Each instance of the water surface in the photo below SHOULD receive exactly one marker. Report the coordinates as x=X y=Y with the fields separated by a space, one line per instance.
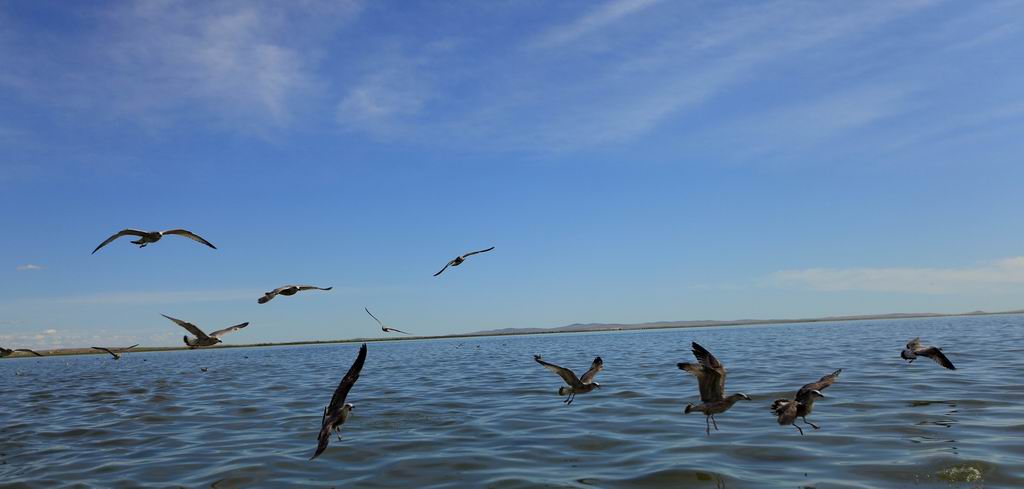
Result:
x=480 y=413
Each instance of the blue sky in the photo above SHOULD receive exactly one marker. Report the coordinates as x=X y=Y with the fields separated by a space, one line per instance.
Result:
x=632 y=161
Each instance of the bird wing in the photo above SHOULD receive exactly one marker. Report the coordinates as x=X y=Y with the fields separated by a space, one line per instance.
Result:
x=374 y=317
x=232 y=329
x=785 y=410
x=471 y=253
x=190 y=235
x=445 y=267
x=106 y=350
x=935 y=354
x=188 y=326
x=914 y=344
x=567 y=375
x=350 y=378
x=388 y=330
x=26 y=350
x=712 y=383
x=129 y=347
x=313 y=287
x=820 y=385
x=595 y=367
x=123 y=232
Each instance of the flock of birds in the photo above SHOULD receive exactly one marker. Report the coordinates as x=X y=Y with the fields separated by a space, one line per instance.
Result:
x=708 y=370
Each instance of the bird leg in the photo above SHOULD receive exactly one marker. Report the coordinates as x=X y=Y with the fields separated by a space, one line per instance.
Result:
x=810 y=423
x=707 y=423
x=714 y=422
x=572 y=397
x=801 y=430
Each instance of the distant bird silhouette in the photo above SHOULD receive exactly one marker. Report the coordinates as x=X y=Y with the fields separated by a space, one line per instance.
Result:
x=787 y=410
x=577 y=385
x=114 y=353
x=4 y=352
x=288 y=290
x=914 y=349
x=147 y=237
x=203 y=369
x=459 y=259
x=203 y=339
x=710 y=375
x=385 y=328
x=338 y=411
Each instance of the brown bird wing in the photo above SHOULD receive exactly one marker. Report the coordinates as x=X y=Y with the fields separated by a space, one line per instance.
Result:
x=935 y=354
x=26 y=350
x=188 y=326
x=115 y=355
x=232 y=329
x=123 y=232
x=129 y=347
x=478 y=251
x=914 y=344
x=388 y=330
x=313 y=287
x=350 y=378
x=595 y=367
x=445 y=267
x=190 y=235
x=567 y=375
x=820 y=385
x=785 y=410
x=712 y=383
x=374 y=317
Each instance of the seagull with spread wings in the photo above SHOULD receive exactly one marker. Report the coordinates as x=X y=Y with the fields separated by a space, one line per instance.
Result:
x=915 y=349
x=382 y=327
x=338 y=411
x=710 y=374
x=787 y=410
x=288 y=290
x=577 y=385
x=115 y=351
x=4 y=352
x=203 y=339
x=459 y=259
x=147 y=237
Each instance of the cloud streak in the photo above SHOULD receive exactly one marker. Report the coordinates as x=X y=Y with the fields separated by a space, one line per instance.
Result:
x=607 y=14
x=991 y=276
x=28 y=267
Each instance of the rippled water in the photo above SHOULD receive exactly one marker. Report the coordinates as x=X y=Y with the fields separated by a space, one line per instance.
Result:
x=481 y=413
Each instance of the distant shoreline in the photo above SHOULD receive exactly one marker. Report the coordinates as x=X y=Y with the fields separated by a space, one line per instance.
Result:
x=572 y=328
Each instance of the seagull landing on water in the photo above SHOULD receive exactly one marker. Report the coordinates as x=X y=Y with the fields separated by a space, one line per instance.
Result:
x=915 y=349
x=338 y=411
x=459 y=259
x=288 y=290
x=382 y=327
x=710 y=375
x=577 y=385
x=788 y=410
x=203 y=339
x=4 y=352
x=115 y=351
x=147 y=237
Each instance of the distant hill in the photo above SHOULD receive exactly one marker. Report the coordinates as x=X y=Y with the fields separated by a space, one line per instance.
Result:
x=584 y=327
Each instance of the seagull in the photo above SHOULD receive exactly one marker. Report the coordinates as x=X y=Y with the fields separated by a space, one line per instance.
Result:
x=203 y=339
x=338 y=411
x=385 y=328
x=789 y=409
x=459 y=259
x=4 y=352
x=147 y=237
x=288 y=290
x=710 y=375
x=914 y=349
x=115 y=353
x=577 y=385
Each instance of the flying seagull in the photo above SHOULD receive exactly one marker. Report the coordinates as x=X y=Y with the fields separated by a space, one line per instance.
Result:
x=203 y=339
x=914 y=349
x=4 y=352
x=710 y=375
x=288 y=290
x=788 y=410
x=459 y=259
x=577 y=385
x=338 y=411
x=385 y=328
x=147 y=237
x=115 y=351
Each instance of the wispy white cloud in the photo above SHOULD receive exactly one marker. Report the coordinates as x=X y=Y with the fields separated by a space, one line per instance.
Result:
x=54 y=338
x=167 y=297
x=28 y=267
x=606 y=14
x=982 y=277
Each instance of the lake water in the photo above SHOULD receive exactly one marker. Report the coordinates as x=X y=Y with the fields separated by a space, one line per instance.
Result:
x=480 y=413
